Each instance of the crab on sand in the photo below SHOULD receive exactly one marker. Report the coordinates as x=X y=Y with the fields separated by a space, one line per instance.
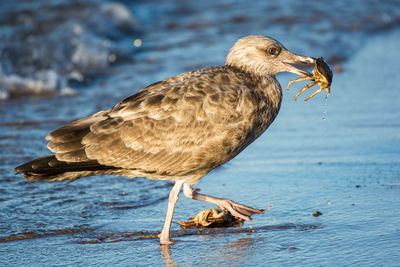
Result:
x=211 y=218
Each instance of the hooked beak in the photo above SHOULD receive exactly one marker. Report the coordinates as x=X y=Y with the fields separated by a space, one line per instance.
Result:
x=297 y=59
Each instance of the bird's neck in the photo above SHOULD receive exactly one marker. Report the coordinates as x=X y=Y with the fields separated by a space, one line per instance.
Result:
x=269 y=87
x=270 y=93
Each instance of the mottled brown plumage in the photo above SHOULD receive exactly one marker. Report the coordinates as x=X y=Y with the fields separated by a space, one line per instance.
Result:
x=177 y=129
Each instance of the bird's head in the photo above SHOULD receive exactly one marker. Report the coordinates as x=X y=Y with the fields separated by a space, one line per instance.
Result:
x=262 y=55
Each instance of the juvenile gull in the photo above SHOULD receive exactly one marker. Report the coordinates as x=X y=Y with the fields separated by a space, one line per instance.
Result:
x=178 y=129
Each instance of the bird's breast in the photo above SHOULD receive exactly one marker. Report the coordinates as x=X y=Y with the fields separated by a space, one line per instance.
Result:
x=268 y=98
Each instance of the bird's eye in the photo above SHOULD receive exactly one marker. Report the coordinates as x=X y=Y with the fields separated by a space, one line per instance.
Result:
x=273 y=51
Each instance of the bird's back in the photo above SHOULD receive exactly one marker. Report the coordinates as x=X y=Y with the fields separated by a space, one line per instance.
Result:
x=180 y=128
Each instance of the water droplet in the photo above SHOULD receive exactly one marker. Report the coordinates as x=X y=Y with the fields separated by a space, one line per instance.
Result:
x=112 y=58
x=137 y=42
x=325 y=108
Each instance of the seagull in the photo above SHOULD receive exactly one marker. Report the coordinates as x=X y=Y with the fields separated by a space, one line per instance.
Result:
x=178 y=129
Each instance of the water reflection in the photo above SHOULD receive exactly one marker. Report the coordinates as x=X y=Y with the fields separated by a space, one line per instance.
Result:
x=237 y=250
x=233 y=251
x=166 y=255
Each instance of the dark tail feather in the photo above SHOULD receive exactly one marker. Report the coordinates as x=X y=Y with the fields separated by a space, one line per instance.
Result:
x=50 y=169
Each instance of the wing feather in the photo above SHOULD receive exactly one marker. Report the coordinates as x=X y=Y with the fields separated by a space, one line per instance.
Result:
x=73 y=156
x=187 y=124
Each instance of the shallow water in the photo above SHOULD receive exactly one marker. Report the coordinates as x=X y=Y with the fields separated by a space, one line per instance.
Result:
x=346 y=166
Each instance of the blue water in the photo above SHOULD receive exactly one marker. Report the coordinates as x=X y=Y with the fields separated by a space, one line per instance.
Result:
x=344 y=163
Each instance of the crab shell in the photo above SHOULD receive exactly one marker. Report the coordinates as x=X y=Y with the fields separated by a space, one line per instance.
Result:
x=210 y=218
x=322 y=67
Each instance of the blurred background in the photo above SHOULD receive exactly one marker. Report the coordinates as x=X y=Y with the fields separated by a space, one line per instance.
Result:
x=61 y=60
x=63 y=47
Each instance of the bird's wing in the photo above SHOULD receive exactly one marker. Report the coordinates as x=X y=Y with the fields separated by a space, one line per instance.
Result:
x=172 y=128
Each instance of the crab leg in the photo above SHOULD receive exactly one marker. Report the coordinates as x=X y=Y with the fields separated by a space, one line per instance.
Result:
x=304 y=89
x=316 y=92
x=299 y=80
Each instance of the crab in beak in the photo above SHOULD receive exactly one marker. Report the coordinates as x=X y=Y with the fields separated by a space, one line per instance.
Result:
x=322 y=75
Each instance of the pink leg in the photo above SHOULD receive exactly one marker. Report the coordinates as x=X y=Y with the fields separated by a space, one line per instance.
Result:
x=236 y=209
x=173 y=199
